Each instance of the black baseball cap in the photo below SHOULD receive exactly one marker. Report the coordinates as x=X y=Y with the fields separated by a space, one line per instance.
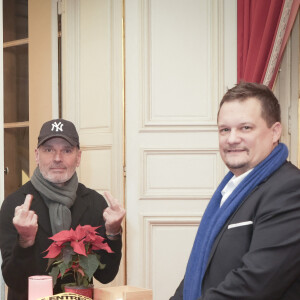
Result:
x=58 y=128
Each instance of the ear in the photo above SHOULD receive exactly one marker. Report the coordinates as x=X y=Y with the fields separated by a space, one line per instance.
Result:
x=36 y=152
x=276 y=130
x=78 y=157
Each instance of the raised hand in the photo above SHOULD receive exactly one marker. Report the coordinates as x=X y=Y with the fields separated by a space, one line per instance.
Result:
x=113 y=215
x=25 y=221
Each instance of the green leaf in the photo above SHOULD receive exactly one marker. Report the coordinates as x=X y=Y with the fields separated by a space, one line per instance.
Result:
x=68 y=253
x=102 y=266
x=50 y=262
x=54 y=273
x=89 y=264
x=63 y=267
x=85 y=282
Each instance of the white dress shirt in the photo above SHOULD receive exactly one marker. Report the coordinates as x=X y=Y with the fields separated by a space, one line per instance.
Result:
x=231 y=185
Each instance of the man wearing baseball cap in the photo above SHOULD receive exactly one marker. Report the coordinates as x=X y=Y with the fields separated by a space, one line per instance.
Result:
x=52 y=201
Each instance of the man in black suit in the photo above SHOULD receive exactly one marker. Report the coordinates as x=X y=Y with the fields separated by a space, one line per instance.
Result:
x=54 y=200
x=248 y=241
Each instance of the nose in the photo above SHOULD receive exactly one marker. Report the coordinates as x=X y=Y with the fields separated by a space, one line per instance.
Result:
x=233 y=137
x=57 y=156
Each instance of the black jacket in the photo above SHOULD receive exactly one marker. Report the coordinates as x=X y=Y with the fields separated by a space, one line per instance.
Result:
x=20 y=263
x=257 y=253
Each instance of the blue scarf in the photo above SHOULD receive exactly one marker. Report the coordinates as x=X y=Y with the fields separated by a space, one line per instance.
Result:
x=215 y=217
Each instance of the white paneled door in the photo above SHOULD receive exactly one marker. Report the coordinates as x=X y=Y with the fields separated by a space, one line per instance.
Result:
x=175 y=52
x=179 y=57
x=93 y=92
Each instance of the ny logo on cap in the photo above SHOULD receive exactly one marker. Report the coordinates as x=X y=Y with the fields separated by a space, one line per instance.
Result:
x=58 y=126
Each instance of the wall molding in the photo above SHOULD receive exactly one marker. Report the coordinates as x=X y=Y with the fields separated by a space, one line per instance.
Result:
x=148 y=192
x=149 y=222
x=151 y=121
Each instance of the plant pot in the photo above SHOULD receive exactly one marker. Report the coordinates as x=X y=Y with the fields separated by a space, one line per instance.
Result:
x=80 y=290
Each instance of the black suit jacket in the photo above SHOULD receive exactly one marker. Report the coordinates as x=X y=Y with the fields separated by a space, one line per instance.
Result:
x=19 y=263
x=257 y=253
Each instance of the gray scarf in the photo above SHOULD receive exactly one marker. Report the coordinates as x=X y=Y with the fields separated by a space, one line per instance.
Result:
x=59 y=199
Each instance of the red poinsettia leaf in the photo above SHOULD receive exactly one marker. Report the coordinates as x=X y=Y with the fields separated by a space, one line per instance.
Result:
x=79 y=233
x=89 y=228
x=90 y=237
x=78 y=247
x=99 y=245
x=59 y=244
x=98 y=240
x=54 y=251
x=62 y=236
x=86 y=232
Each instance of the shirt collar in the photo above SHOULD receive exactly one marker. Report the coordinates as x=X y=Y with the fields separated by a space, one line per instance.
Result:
x=234 y=182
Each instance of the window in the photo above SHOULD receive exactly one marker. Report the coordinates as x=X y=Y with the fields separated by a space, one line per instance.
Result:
x=16 y=95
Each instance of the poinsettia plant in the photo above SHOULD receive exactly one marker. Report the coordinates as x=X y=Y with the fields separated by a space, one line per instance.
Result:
x=72 y=253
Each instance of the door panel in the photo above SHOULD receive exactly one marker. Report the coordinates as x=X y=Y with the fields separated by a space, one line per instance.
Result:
x=93 y=94
x=175 y=76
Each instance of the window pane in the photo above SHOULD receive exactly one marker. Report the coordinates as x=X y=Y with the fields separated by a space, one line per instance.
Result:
x=16 y=104
x=16 y=158
x=15 y=20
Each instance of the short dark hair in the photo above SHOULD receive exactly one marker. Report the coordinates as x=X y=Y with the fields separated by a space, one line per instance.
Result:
x=270 y=108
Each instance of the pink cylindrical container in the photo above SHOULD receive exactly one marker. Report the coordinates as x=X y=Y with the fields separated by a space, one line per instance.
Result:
x=39 y=286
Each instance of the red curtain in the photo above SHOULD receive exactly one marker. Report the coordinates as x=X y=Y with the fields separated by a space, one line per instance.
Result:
x=285 y=27
x=263 y=31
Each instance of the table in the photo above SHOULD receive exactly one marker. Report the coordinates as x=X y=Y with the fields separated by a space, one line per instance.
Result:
x=122 y=293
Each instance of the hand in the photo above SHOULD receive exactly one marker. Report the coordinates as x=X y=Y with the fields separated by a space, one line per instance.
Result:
x=113 y=215
x=25 y=221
